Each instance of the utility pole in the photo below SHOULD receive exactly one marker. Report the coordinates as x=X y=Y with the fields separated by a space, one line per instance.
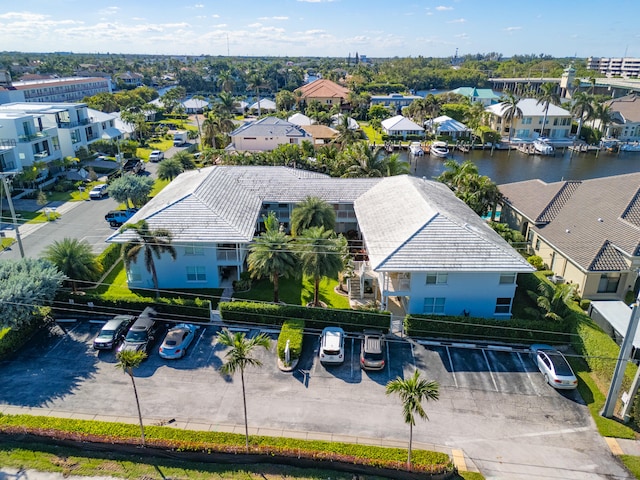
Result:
x=5 y=183
x=623 y=358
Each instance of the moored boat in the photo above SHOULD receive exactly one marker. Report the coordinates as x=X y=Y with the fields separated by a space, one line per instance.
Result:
x=415 y=148
x=542 y=147
x=439 y=149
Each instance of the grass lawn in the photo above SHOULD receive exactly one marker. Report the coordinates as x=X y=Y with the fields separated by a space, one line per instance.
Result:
x=595 y=399
x=372 y=134
x=6 y=243
x=632 y=463
x=296 y=292
x=164 y=144
x=69 y=461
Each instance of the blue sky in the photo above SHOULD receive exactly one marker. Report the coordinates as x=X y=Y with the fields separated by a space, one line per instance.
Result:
x=324 y=27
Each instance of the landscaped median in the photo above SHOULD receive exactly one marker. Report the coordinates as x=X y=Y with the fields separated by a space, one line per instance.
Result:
x=230 y=448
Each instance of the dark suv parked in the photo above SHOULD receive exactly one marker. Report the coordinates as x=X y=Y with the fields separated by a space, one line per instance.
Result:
x=143 y=333
x=112 y=332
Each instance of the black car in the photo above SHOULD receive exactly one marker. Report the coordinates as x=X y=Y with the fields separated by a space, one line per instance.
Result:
x=143 y=333
x=133 y=165
x=113 y=332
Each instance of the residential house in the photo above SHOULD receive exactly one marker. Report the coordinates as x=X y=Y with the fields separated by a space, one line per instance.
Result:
x=528 y=126
x=300 y=119
x=324 y=91
x=195 y=105
x=264 y=105
x=394 y=101
x=485 y=96
x=587 y=232
x=130 y=79
x=266 y=134
x=338 y=118
x=321 y=134
x=401 y=126
x=444 y=125
x=625 y=118
x=434 y=253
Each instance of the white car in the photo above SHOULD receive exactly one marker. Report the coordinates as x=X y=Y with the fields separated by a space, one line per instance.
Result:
x=156 y=156
x=332 y=345
x=98 y=191
x=554 y=367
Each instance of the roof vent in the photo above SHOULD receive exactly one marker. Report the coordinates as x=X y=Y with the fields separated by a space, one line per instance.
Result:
x=568 y=231
x=600 y=220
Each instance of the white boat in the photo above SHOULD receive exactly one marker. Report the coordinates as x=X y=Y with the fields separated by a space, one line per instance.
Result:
x=542 y=147
x=416 y=149
x=439 y=149
x=630 y=147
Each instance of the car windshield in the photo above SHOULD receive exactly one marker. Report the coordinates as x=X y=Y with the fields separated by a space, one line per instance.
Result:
x=107 y=333
x=560 y=365
x=133 y=336
x=373 y=356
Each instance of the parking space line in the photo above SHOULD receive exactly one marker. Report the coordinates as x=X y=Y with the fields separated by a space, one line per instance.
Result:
x=63 y=338
x=524 y=367
x=204 y=329
x=493 y=379
x=386 y=344
x=453 y=371
x=353 y=341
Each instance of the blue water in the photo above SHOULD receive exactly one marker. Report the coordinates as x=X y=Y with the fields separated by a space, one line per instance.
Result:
x=505 y=167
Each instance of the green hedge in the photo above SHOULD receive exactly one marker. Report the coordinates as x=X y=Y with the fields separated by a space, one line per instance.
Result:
x=174 y=309
x=187 y=440
x=292 y=330
x=508 y=331
x=12 y=339
x=110 y=256
x=272 y=314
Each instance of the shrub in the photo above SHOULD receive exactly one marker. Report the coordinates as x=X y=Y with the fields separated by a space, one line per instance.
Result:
x=110 y=256
x=536 y=261
x=11 y=339
x=293 y=331
x=507 y=331
x=271 y=314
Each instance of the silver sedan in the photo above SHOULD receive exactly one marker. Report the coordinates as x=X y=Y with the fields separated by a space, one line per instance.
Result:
x=554 y=367
x=177 y=341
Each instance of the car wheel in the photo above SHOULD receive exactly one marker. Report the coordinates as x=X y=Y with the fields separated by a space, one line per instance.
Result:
x=546 y=379
x=113 y=224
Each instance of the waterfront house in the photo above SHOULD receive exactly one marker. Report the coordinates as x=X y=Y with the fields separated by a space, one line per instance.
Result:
x=528 y=126
x=625 y=118
x=266 y=134
x=485 y=96
x=435 y=254
x=401 y=126
x=324 y=91
x=445 y=125
x=587 y=232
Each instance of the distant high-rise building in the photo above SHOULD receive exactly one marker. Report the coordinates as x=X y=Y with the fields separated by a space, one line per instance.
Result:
x=615 y=67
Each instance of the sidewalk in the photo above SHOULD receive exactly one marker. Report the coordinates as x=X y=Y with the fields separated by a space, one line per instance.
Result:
x=462 y=462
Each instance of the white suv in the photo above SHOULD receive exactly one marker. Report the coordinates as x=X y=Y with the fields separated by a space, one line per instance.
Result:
x=156 y=156
x=332 y=345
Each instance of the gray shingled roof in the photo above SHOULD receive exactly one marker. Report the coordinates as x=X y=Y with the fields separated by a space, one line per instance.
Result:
x=270 y=127
x=222 y=203
x=598 y=224
x=412 y=224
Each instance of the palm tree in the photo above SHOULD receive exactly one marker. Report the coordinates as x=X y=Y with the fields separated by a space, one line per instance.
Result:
x=185 y=159
x=169 y=169
x=226 y=104
x=239 y=357
x=272 y=255
x=151 y=242
x=552 y=300
x=458 y=175
x=128 y=360
x=603 y=114
x=321 y=255
x=547 y=96
x=510 y=111
x=74 y=258
x=346 y=135
x=582 y=109
x=256 y=82
x=394 y=166
x=226 y=81
x=312 y=212
x=412 y=392
x=359 y=161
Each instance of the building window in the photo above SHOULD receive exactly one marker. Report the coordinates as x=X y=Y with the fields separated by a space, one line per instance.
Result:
x=537 y=243
x=503 y=305
x=609 y=283
x=507 y=278
x=196 y=274
x=193 y=249
x=526 y=121
x=437 y=278
x=75 y=136
x=434 y=305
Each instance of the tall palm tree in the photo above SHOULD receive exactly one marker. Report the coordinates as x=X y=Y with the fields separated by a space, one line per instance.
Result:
x=510 y=111
x=582 y=109
x=346 y=135
x=151 y=243
x=394 y=166
x=359 y=161
x=321 y=255
x=226 y=104
x=74 y=258
x=240 y=357
x=412 y=392
x=226 y=81
x=458 y=175
x=128 y=360
x=603 y=114
x=256 y=82
x=312 y=212
x=547 y=96
x=271 y=255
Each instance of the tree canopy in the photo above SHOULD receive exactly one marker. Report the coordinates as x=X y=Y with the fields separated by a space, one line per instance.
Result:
x=131 y=189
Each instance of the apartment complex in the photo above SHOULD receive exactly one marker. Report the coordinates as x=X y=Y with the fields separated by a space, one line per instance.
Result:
x=53 y=90
x=625 y=67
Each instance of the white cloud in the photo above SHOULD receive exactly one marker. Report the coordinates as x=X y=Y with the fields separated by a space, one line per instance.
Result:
x=442 y=8
x=109 y=11
x=198 y=5
x=512 y=29
x=458 y=20
x=215 y=15
x=273 y=18
x=254 y=25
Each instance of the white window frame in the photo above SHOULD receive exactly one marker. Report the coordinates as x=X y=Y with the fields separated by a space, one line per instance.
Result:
x=193 y=249
x=198 y=273
x=501 y=305
x=434 y=305
x=440 y=278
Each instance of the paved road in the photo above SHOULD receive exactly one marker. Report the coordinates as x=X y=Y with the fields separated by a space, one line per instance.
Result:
x=493 y=404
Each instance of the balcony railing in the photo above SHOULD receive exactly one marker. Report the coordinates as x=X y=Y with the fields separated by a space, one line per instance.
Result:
x=227 y=255
x=41 y=156
x=73 y=124
x=32 y=137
